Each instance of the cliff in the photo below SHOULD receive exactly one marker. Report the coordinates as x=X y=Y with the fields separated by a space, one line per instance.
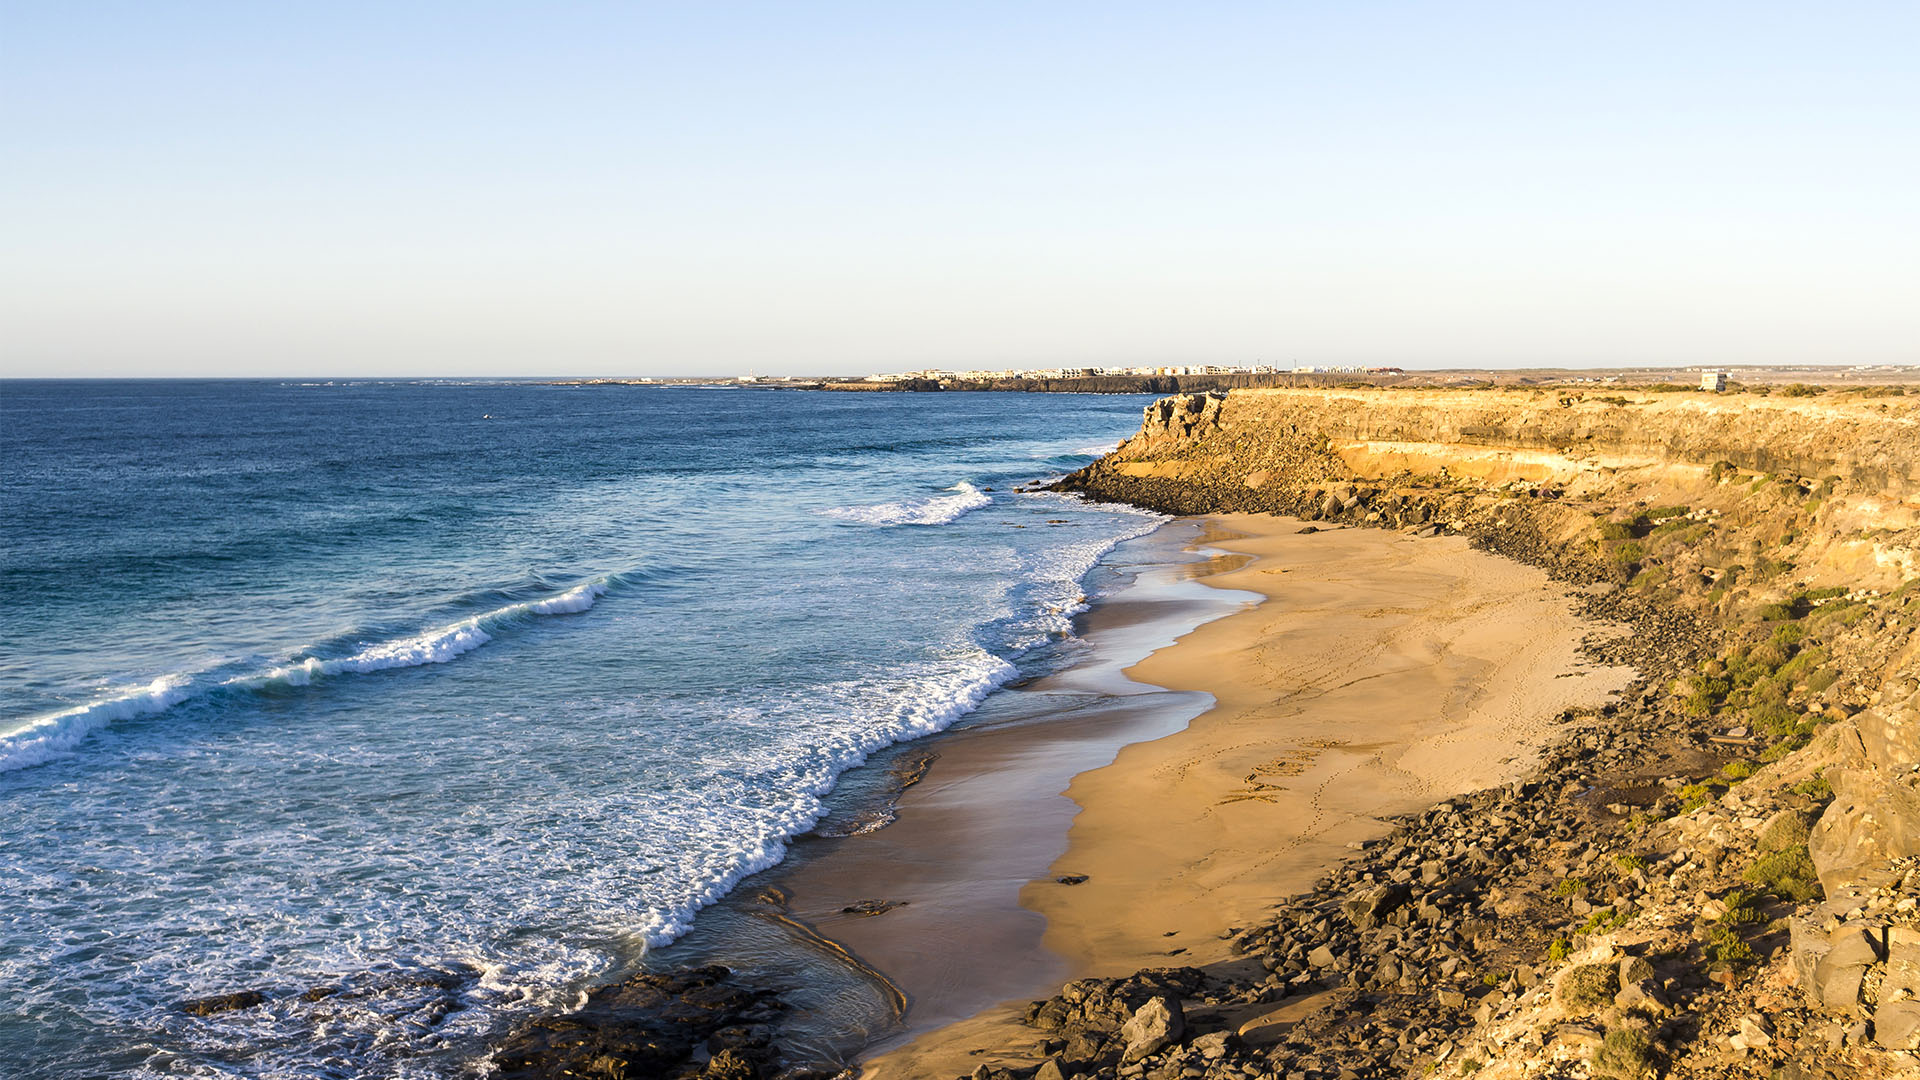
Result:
x=1780 y=537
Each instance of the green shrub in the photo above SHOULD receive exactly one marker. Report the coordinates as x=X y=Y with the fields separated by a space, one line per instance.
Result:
x=1786 y=832
x=1629 y=552
x=1768 y=656
x=1573 y=886
x=1788 y=634
x=1821 y=679
x=1625 y=1053
x=1695 y=796
x=1603 y=920
x=1737 y=770
x=1559 y=950
x=1613 y=530
x=1802 y=665
x=1787 y=873
x=1774 y=612
x=1725 y=945
x=1782 y=748
x=1774 y=718
x=1814 y=787
x=1629 y=863
x=1842 y=614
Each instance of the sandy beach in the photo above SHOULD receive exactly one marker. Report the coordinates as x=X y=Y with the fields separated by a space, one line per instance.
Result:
x=1380 y=674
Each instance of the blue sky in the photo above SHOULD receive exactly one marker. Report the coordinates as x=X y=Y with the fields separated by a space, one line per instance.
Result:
x=476 y=188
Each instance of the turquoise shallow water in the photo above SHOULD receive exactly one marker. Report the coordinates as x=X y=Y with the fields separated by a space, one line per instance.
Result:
x=451 y=697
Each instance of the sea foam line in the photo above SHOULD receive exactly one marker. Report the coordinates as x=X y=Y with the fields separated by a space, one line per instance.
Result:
x=52 y=735
x=938 y=510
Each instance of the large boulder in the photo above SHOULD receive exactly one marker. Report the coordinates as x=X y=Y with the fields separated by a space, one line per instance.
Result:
x=1875 y=813
x=1154 y=1026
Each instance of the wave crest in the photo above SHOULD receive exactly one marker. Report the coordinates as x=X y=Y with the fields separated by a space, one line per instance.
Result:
x=937 y=510
x=53 y=735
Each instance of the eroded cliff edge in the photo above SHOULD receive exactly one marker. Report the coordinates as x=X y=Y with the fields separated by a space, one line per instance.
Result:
x=1755 y=915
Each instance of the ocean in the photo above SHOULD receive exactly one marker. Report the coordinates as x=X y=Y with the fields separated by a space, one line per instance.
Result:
x=416 y=707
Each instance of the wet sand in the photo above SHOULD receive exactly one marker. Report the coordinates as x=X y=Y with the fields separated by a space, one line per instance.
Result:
x=987 y=820
x=1382 y=674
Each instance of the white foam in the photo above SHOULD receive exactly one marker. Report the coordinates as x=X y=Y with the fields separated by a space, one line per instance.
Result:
x=938 y=510
x=43 y=738
x=850 y=726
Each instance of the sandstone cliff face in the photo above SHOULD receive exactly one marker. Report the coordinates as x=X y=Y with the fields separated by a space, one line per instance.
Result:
x=1865 y=452
x=1750 y=512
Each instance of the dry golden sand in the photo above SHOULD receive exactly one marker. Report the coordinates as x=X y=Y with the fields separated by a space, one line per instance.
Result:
x=1381 y=674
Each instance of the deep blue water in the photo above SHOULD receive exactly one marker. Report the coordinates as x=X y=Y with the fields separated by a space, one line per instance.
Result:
x=453 y=697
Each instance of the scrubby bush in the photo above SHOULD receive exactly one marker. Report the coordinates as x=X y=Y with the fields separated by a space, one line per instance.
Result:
x=1568 y=887
x=1559 y=950
x=1590 y=986
x=1802 y=664
x=1787 y=873
x=1695 y=796
x=1625 y=1053
x=1725 y=945
x=1629 y=552
x=1782 y=748
x=1737 y=770
x=1774 y=718
x=1814 y=787
x=1613 y=530
x=1774 y=612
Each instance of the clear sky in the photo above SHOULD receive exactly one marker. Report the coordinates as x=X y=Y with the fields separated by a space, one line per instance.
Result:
x=336 y=188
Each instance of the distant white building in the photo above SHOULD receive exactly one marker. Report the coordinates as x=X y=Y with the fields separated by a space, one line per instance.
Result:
x=1714 y=381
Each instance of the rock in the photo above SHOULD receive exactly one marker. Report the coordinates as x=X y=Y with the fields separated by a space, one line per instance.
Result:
x=1838 y=976
x=1634 y=969
x=1154 y=1026
x=1643 y=995
x=872 y=907
x=1071 y=879
x=1366 y=910
x=1752 y=1034
x=1212 y=1046
x=221 y=1003
x=1321 y=957
x=1050 y=1070
x=1896 y=1023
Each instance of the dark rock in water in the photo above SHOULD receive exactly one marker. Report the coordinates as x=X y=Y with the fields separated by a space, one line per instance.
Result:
x=319 y=993
x=649 y=1026
x=1071 y=879
x=221 y=1003
x=872 y=907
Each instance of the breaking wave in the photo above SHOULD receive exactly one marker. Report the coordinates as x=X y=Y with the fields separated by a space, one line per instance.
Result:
x=937 y=510
x=44 y=738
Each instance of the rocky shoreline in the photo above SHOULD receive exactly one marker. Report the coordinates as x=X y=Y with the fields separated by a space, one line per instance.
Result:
x=1718 y=876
